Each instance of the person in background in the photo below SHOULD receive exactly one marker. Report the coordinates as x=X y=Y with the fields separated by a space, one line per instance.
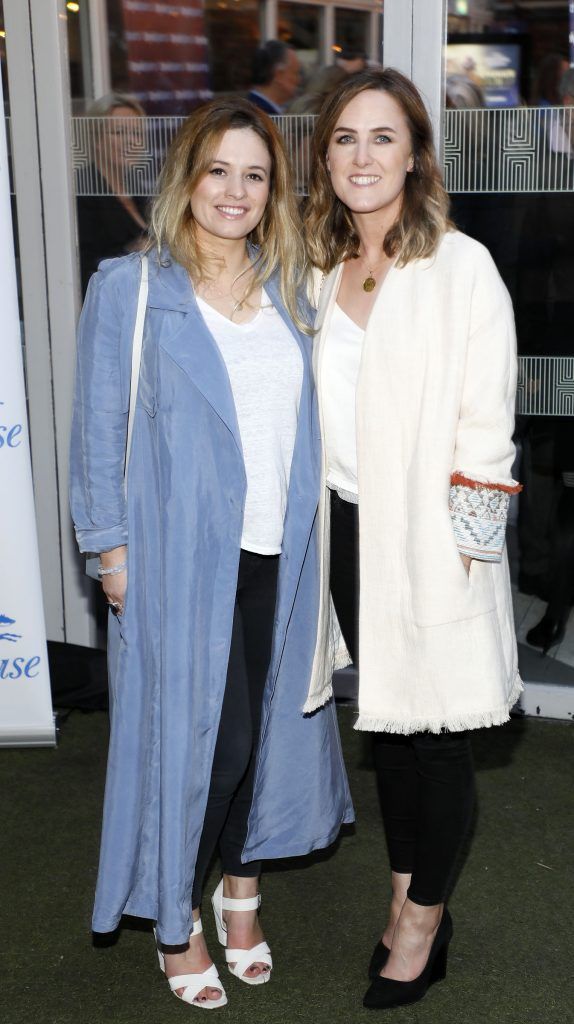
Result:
x=463 y=94
x=560 y=139
x=351 y=60
x=276 y=76
x=546 y=89
x=566 y=88
x=209 y=558
x=111 y=222
x=415 y=365
x=319 y=86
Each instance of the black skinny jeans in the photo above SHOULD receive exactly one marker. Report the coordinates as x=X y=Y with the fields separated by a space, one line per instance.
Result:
x=232 y=774
x=425 y=780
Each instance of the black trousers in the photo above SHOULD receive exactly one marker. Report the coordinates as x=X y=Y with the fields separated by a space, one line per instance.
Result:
x=232 y=775
x=425 y=780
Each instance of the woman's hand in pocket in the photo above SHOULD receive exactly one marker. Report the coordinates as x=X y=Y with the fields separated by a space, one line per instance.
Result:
x=466 y=560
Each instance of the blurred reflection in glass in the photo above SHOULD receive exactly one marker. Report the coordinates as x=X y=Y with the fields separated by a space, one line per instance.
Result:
x=111 y=221
x=546 y=327
x=320 y=85
x=557 y=216
x=318 y=88
x=477 y=214
x=550 y=71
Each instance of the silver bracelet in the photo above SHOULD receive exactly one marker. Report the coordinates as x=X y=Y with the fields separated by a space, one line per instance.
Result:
x=114 y=570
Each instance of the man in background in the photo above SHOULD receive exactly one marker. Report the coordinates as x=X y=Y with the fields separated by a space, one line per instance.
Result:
x=276 y=76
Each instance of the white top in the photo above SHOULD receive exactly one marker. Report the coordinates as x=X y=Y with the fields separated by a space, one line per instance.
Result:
x=265 y=370
x=339 y=373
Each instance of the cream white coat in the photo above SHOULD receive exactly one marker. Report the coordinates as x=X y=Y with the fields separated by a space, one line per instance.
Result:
x=435 y=395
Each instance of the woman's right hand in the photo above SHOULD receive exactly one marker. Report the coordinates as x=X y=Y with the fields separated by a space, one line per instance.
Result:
x=114 y=586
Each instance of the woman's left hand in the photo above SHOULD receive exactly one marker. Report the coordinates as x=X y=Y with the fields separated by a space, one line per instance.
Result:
x=466 y=560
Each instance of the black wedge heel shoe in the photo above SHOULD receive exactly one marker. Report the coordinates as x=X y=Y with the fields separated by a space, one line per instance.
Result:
x=387 y=993
x=378 y=959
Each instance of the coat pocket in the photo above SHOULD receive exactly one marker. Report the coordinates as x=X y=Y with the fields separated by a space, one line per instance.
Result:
x=441 y=590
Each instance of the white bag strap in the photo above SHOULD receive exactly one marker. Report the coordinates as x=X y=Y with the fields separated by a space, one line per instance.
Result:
x=136 y=357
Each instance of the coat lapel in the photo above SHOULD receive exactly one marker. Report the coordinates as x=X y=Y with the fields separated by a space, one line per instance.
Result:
x=302 y=481
x=326 y=302
x=186 y=339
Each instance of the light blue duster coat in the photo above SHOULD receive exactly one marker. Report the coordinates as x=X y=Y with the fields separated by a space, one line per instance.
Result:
x=168 y=654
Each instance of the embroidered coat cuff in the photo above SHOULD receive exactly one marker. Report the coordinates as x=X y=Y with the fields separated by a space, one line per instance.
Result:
x=479 y=511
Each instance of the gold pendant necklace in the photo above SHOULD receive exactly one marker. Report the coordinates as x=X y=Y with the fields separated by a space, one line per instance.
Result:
x=369 y=284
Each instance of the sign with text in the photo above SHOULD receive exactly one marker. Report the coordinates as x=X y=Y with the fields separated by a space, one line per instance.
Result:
x=26 y=717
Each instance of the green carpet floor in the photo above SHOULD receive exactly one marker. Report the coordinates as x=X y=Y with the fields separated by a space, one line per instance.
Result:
x=511 y=956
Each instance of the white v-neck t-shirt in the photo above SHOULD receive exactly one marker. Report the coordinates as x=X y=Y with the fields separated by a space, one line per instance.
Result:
x=265 y=369
x=339 y=374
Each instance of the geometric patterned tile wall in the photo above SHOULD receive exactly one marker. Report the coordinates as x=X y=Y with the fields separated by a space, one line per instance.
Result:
x=521 y=149
x=142 y=144
x=545 y=386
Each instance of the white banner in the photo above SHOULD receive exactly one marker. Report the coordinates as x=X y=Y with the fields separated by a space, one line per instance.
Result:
x=26 y=717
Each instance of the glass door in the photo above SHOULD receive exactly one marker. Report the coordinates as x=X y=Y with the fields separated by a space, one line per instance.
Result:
x=509 y=167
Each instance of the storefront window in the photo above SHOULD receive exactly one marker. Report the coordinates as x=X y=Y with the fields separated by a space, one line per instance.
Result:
x=300 y=26
x=76 y=53
x=505 y=48
x=117 y=46
x=234 y=31
x=509 y=166
x=159 y=53
x=352 y=31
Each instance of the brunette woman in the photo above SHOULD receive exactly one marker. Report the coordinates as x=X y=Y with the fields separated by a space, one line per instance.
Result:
x=416 y=372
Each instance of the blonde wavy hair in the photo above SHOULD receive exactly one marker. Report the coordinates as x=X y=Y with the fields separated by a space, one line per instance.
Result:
x=423 y=219
x=106 y=105
x=277 y=239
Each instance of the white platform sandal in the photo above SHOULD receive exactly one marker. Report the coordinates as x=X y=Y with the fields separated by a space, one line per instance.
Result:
x=239 y=960
x=192 y=984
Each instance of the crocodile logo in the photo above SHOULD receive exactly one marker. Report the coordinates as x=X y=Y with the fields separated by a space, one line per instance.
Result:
x=5 y=620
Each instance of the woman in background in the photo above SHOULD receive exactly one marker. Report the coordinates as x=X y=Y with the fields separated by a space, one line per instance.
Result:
x=111 y=222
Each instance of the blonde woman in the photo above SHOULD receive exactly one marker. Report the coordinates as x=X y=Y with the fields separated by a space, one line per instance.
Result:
x=111 y=222
x=210 y=565
x=416 y=371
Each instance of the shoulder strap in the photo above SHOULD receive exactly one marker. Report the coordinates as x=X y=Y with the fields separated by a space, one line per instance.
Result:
x=136 y=357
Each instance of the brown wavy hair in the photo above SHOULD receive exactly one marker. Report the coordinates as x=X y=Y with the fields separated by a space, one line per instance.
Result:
x=277 y=238
x=330 y=233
